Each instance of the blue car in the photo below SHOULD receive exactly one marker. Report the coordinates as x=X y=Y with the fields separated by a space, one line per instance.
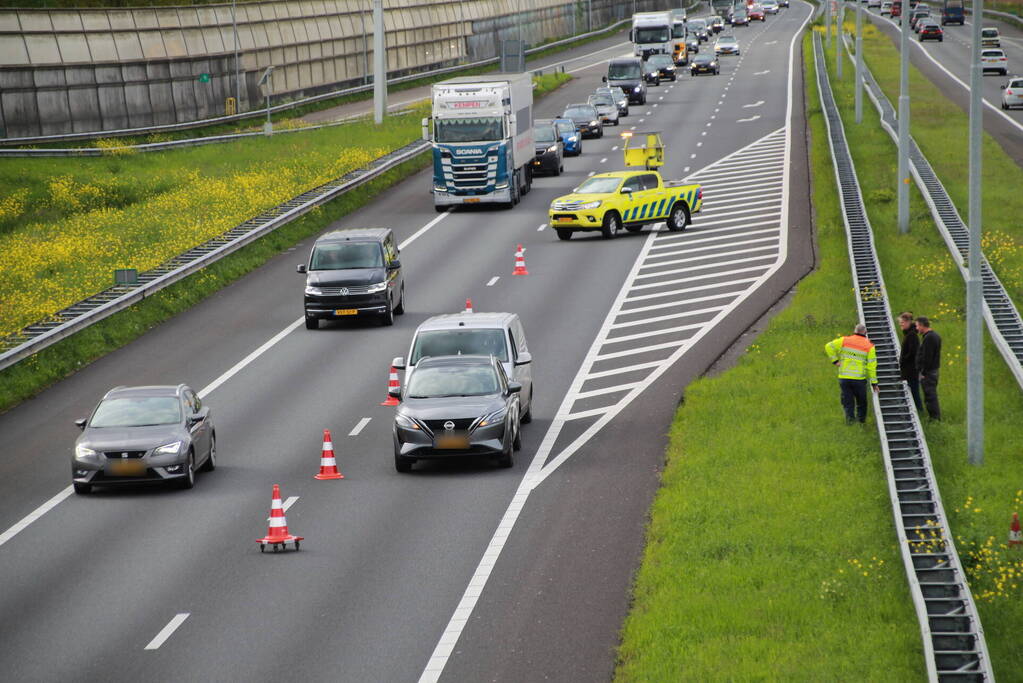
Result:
x=572 y=139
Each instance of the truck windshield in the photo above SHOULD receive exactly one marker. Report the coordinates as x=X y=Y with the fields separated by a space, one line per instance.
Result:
x=623 y=71
x=652 y=34
x=482 y=129
x=599 y=186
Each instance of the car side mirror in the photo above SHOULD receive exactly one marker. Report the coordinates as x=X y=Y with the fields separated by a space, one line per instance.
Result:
x=1001 y=87
x=603 y=79
x=301 y=268
x=81 y=423
x=627 y=190
x=514 y=387
x=523 y=359
x=398 y=363
x=394 y=265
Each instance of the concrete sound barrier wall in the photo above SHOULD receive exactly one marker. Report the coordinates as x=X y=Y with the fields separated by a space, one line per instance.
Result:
x=80 y=70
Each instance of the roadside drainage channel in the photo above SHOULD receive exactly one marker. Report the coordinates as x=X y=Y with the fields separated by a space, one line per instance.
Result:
x=1001 y=315
x=953 y=637
x=78 y=316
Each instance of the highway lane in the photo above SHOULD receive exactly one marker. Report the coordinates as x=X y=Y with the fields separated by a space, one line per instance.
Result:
x=387 y=556
x=947 y=64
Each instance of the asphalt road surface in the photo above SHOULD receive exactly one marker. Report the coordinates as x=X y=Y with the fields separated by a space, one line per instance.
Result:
x=947 y=64
x=458 y=571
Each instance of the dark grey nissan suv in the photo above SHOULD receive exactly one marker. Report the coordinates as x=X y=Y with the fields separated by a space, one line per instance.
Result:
x=144 y=434
x=353 y=273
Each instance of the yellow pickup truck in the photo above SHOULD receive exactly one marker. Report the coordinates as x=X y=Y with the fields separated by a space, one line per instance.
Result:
x=629 y=199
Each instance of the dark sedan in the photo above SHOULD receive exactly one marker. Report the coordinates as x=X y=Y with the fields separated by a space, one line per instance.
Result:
x=704 y=64
x=692 y=45
x=586 y=119
x=457 y=405
x=931 y=31
x=665 y=66
x=549 y=149
x=144 y=434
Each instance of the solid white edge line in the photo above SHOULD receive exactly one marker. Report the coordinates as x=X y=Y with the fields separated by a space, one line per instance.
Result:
x=537 y=472
x=35 y=514
x=357 y=429
x=167 y=631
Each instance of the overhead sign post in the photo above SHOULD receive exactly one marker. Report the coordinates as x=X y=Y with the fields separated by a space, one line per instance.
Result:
x=266 y=84
x=379 y=63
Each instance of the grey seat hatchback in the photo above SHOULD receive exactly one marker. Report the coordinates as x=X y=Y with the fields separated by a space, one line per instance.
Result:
x=353 y=273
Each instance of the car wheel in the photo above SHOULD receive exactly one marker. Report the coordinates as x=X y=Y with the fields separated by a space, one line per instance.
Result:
x=400 y=308
x=211 y=461
x=188 y=481
x=312 y=323
x=81 y=489
x=517 y=441
x=1003 y=106
x=678 y=218
x=387 y=317
x=403 y=464
x=506 y=459
x=600 y=134
x=527 y=417
x=609 y=227
x=563 y=234
x=440 y=209
x=643 y=99
x=626 y=112
x=528 y=173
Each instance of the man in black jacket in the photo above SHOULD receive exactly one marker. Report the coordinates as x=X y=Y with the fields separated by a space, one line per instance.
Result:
x=928 y=362
x=907 y=356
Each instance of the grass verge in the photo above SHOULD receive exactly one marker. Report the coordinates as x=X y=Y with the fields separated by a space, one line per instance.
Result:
x=922 y=277
x=770 y=550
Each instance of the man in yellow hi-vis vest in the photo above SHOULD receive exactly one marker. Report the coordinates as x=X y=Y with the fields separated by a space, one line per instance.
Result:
x=857 y=363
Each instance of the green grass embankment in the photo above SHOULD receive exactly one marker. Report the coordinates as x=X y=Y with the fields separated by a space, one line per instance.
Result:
x=770 y=550
x=921 y=276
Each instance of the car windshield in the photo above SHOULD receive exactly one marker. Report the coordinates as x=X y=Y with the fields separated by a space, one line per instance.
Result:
x=697 y=24
x=458 y=380
x=544 y=134
x=460 y=342
x=604 y=100
x=660 y=60
x=623 y=70
x=477 y=129
x=989 y=32
x=652 y=34
x=704 y=59
x=579 y=113
x=726 y=40
x=741 y=13
x=599 y=185
x=993 y=53
x=141 y=411
x=341 y=255
x=566 y=128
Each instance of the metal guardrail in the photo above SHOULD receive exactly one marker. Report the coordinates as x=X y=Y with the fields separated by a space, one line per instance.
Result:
x=953 y=637
x=1002 y=317
x=94 y=308
x=185 y=125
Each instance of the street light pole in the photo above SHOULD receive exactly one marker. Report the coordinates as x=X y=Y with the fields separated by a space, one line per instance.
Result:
x=903 y=180
x=379 y=63
x=827 y=23
x=859 y=62
x=237 y=64
x=839 y=43
x=974 y=302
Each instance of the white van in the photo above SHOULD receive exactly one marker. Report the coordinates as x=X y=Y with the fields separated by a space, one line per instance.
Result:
x=489 y=334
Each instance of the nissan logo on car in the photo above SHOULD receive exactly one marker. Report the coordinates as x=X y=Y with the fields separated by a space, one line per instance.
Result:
x=449 y=425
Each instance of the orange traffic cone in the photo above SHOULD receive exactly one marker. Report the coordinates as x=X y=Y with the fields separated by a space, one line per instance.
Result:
x=468 y=305
x=1015 y=540
x=328 y=465
x=392 y=383
x=520 y=262
x=277 y=532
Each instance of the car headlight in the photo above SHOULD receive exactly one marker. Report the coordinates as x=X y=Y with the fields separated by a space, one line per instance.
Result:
x=552 y=149
x=590 y=205
x=377 y=287
x=636 y=89
x=439 y=188
x=593 y=123
x=714 y=63
x=315 y=291
x=84 y=452
x=573 y=138
x=168 y=448
x=405 y=421
x=493 y=418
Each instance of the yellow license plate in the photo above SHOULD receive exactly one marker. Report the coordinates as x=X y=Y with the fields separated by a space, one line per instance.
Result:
x=347 y=311
x=128 y=468
x=471 y=200
x=453 y=442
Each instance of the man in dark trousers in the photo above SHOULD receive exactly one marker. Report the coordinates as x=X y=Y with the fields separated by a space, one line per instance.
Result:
x=928 y=363
x=907 y=356
x=856 y=359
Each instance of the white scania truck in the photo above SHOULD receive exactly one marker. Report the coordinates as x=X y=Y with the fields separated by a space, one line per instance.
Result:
x=482 y=133
x=651 y=34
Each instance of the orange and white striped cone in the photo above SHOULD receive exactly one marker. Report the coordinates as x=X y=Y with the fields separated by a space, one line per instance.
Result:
x=1015 y=540
x=520 y=262
x=468 y=306
x=392 y=383
x=277 y=531
x=328 y=464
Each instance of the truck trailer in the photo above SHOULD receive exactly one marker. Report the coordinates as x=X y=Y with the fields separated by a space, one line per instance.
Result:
x=481 y=128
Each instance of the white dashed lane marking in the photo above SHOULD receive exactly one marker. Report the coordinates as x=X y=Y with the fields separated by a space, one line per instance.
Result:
x=357 y=429
x=167 y=631
x=493 y=281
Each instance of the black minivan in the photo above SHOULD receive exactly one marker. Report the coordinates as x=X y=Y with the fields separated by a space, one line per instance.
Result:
x=627 y=73
x=353 y=273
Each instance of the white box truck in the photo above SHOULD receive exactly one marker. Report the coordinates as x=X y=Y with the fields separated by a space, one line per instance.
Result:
x=481 y=128
x=651 y=34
